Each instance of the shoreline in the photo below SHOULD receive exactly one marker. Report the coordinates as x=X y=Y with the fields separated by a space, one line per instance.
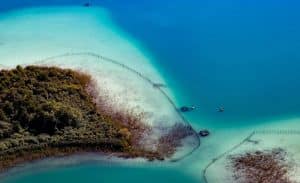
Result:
x=64 y=120
x=120 y=46
x=68 y=101
x=38 y=155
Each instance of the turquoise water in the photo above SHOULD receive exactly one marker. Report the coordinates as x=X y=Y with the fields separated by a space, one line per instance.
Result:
x=240 y=54
x=243 y=55
x=103 y=173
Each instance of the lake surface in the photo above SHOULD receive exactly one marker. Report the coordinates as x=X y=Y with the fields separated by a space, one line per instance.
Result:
x=103 y=173
x=243 y=55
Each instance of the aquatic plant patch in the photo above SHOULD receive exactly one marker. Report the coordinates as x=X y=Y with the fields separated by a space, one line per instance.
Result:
x=261 y=166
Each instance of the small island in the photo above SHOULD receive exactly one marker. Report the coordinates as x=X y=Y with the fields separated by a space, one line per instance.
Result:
x=49 y=111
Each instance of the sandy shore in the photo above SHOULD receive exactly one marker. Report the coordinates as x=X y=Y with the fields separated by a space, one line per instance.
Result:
x=45 y=34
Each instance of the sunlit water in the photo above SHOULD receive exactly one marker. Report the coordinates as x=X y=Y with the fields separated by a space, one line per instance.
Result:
x=238 y=54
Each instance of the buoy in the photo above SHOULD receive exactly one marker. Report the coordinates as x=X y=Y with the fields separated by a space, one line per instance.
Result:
x=204 y=133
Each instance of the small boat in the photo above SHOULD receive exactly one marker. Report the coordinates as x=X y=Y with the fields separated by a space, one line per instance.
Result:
x=204 y=133
x=187 y=108
x=221 y=109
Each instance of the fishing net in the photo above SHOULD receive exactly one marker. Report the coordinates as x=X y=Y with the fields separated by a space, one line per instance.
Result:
x=271 y=155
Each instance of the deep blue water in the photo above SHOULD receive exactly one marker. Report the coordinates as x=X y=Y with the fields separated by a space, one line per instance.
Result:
x=240 y=54
x=244 y=55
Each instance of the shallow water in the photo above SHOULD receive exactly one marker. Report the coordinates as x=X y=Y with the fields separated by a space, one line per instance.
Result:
x=241 y=55
x=103 y=173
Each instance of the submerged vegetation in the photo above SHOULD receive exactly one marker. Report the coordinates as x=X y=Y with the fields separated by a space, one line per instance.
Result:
x=168 y=142
x=46 y=111
x=261 y=167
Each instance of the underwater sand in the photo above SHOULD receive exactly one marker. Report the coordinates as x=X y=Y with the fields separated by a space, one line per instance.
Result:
x=45 y=34
x=31 y=34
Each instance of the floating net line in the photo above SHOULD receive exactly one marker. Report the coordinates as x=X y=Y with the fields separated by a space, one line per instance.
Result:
x=224 y=154
x=278 y=132
x=248 y=139
x=194 y=135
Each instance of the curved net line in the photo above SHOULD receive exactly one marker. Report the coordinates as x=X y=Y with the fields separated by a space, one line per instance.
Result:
x=248 y=139
x=145 y=78
x=224 y=154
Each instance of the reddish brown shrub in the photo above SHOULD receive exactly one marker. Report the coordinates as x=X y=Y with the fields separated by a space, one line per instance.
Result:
x=261 y=167
x=170 y=141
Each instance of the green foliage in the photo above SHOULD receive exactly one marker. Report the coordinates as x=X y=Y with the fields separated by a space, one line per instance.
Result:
x=52 y=116
x=44 y=100
x=6 y=129
x=47 y=110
